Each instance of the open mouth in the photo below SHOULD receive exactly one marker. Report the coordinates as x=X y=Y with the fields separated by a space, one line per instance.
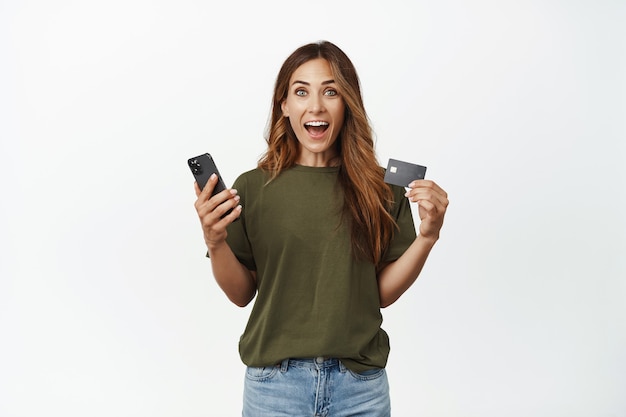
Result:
x=316 y=128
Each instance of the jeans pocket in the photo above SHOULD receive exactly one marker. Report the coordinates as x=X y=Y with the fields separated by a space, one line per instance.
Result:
x=369 y=374
x=261 y=374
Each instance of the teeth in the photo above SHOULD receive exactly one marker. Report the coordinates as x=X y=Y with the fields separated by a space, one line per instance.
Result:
x=316 y=124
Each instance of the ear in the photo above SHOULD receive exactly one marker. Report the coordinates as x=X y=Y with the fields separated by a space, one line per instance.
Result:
x=283 y=107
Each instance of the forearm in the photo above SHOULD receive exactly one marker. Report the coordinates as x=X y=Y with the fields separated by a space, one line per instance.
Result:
x=237 y=282
x=397 y=277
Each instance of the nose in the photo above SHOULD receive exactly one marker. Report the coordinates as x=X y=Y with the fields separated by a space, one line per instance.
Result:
x=316 y=105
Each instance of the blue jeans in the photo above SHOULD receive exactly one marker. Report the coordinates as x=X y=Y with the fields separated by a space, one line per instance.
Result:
x=317 y=387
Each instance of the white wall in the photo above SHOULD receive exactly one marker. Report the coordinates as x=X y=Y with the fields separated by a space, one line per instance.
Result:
x=518 y=108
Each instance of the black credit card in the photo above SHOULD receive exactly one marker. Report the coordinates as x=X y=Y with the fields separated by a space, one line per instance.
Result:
x=403 y=173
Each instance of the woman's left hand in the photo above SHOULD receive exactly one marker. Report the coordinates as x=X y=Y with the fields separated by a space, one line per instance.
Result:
x=433 y=202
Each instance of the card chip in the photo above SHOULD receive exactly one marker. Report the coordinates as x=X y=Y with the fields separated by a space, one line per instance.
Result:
x=394 y=169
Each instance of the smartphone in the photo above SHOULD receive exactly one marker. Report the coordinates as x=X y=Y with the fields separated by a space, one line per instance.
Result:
x=202 y=167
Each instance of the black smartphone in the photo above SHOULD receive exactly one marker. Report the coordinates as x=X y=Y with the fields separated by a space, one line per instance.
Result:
x=202 y=167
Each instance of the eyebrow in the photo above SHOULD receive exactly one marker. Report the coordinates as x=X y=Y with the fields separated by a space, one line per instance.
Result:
x=308 y=84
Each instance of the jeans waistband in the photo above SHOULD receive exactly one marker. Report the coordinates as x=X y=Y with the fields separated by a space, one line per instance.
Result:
x=320 y=362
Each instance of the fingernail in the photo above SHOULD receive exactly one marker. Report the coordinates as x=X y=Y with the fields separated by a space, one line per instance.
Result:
x=233 y=191
x=213 y=176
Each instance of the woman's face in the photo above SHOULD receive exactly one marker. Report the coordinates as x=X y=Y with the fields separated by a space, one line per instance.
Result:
x=315 y=111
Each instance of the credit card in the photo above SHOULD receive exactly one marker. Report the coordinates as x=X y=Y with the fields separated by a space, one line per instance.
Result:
x=403 y=173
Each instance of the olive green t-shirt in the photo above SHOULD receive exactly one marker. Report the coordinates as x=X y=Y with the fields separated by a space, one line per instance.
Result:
x=314 y=299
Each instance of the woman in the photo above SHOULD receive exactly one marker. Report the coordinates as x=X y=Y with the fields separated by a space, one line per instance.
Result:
x=322 y=242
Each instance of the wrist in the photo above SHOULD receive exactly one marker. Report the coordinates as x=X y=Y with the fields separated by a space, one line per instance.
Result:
x=428 y=240
x=214 y=246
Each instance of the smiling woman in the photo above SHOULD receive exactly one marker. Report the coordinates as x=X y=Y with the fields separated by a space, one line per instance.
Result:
x=315 y=111
x=320 y=237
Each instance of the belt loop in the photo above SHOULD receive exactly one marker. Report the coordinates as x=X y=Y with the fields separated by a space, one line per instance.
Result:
x=284 y=365
x=342 y=367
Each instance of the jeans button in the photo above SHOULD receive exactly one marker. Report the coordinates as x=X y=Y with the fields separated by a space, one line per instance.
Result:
x=319 y=359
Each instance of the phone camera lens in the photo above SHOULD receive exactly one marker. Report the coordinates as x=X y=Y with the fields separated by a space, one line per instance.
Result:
x=196 y=168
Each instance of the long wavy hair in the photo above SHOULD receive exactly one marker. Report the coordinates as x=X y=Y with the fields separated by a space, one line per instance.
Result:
x=367 y=198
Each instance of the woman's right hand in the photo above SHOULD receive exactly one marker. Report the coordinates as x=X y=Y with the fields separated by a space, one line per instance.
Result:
x=211 y=209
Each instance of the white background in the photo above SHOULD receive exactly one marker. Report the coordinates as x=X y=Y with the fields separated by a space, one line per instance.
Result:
x=518 y=108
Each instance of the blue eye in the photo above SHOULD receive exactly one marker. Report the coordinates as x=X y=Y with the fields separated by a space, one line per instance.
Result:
x=330 y=93
x=301 y=93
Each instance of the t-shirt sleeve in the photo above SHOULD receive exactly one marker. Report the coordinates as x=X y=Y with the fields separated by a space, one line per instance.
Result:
x=405 y=234
x=237 y=237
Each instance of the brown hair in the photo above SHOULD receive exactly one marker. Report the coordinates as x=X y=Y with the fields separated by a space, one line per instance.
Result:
x=367 y=197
